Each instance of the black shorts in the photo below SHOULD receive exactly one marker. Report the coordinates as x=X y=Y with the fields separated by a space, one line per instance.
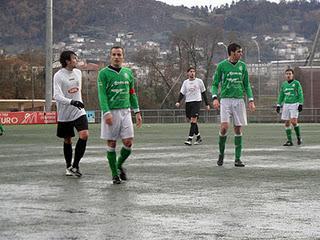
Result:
x=192 y=109
x=65 y=129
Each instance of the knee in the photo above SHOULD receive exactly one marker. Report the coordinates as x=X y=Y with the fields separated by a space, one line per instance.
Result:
x=127 y=143
x=111 y=144
x=68 y=140
x=84 y=135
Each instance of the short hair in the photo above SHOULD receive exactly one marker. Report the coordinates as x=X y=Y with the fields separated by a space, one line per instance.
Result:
x=190 y=68
x=117 y=47
x=289 y=70
x=233 y=47
x=66 y=56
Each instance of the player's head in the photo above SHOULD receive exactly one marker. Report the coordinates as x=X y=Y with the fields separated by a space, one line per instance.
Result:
x=68 y=59
x=191 y=73
x=289 y=74
x=116 y=56
x=235 y=51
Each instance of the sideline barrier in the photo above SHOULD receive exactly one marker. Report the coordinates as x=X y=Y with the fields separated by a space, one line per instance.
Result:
x=24 y=118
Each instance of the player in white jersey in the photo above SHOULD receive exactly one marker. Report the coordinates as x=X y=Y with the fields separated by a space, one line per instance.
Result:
x=193 y=90
x=70 y=109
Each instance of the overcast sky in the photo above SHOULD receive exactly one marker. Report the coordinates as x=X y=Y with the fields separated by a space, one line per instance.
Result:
x=190 y=3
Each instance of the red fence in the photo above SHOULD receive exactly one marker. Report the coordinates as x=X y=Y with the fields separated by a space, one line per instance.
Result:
x=15 y=118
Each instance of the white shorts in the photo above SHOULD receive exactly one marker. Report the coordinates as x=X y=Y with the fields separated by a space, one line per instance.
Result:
x=121 y=128
x=233 y=108
x=289 y=111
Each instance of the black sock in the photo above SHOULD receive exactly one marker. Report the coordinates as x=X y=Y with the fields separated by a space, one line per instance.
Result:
x=192 y=129
x=79 y=152
x=67 y=151
x=196 y=130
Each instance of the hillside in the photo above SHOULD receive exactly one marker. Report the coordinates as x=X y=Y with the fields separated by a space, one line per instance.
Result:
x=23 y=22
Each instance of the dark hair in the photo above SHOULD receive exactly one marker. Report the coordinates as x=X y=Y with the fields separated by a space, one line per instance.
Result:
x=191 y=68
x=117 y=47
x=290 y=70
x=66 y=56
x=233 y=47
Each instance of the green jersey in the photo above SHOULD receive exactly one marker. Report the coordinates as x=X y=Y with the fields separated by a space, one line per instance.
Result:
x=290 y=93
x=116 y=90
x=233 y=80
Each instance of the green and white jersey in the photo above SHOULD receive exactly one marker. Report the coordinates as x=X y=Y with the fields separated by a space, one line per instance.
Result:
x=291 y=93
x=233 y=80
x=116 y=90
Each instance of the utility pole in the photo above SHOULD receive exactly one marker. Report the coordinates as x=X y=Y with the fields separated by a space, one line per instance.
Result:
x=314 y=47
x=48 y=56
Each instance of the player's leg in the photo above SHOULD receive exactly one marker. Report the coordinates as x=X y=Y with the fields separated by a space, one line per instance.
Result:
x=126 y=135
x=238 y=146
x=111 y=134
x=287 y=124
x=192 y=127
x=81 y=124
x=240 y=119
x=225 y=114
x=296 y=127
x=194 y=120
x=65 y=131
x=1 y=130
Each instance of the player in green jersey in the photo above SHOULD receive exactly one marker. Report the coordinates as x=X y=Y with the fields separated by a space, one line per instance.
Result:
x=232 y=76
x=1 y=129
x=291 y=97
x=116 y=96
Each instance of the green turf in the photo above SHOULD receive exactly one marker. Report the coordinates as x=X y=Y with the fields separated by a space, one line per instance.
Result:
x=174 y=191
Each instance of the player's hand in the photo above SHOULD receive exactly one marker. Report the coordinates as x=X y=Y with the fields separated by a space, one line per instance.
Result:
x=278 y=109
x=108 y=119
x=216 y=104
x=138 y=120
x=300 y=107
x=177 y=104
x=208 y=108
x=77 y=104
x=252 y=107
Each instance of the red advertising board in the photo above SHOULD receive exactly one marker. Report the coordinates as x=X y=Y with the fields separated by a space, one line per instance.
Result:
x=15 y=118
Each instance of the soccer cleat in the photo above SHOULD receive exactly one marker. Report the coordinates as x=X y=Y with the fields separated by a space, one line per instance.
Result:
x=220 y=160
x=116 y=180
x=299 y=141
x=288 y=144
x=68 y=172
x=75 y=171
x=123 y=174
x=188 y=142
x=198 y=141
x=238 y=163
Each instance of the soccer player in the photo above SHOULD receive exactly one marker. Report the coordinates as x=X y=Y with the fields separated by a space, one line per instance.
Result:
x=116 y=96
x=70 y=109
x=291 y=96
x=1 y=129
x=232 y=76
x=193 y=88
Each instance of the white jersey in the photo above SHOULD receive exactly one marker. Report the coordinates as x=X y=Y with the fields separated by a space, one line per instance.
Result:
x=192 y=89
x=67 y=87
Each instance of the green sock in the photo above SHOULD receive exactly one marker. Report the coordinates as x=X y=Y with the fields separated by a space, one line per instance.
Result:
x=238 y=146
x=289 y=136
x=112 y=159
x=297 y=130
x=124 y=154
x=222 y=144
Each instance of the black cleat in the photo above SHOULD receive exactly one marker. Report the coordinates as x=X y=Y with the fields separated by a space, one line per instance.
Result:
x=198 y=141
x=288 y=144
x=188 y=142
x=123 y=174
x=220 y=160
x=299 y=141
x=116 y=180
x=75 y=171
x=238 y=163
